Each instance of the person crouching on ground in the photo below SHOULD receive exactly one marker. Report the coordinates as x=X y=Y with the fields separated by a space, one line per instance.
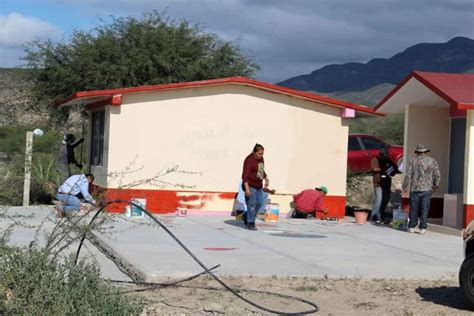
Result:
x=253 y=175
x=383 y=169
x=310 y=201
x=70 y=192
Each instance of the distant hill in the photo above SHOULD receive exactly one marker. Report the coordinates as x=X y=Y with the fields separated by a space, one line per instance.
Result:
x=457 y=55
x=369 y=97
x=14 y=97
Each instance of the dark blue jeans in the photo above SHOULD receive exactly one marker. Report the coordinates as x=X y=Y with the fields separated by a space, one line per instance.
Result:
x=419 y=201
x=254 y=203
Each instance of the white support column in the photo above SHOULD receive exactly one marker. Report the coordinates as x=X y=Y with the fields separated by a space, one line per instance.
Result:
x=469 y=169
x=28 y=160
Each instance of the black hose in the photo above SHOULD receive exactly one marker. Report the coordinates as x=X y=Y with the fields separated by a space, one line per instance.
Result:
x=154 y=285
x=205 y=268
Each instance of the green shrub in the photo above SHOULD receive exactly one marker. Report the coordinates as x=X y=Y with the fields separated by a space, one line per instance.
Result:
x=34 y=283
x=44 y=177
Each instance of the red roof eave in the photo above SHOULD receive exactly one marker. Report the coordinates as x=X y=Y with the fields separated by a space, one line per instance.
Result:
x=433 y=87
x=232 y=80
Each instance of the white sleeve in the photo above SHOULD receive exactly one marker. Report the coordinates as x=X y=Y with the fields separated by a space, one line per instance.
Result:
x=84 y=187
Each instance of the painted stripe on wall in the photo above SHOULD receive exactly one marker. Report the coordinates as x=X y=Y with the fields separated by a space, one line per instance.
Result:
x=167 y=201
x=468 y=214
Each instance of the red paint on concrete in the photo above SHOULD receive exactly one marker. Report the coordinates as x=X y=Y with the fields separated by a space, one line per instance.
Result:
x=219 y=248
x=266 y=225
x=468 y=214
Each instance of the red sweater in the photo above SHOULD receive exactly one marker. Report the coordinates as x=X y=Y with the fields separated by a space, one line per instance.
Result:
x=254 y=171
x=309 y=201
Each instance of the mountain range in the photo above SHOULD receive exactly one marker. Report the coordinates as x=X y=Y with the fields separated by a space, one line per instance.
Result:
x=367 y=83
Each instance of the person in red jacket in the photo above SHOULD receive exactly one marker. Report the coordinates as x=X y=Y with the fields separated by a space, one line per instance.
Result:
x=253 y=175
x=310 y=201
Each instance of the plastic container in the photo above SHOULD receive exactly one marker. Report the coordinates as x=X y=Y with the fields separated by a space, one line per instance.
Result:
x=272 y=212
x=400 y=219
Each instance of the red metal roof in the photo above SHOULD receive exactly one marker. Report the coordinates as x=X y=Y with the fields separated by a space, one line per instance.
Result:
x=89 y=97
x=456 y=89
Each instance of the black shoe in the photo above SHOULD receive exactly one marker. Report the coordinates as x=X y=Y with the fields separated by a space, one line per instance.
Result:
x=251 y=226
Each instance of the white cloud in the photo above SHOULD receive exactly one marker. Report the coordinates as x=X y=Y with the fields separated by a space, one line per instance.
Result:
x=17 y=29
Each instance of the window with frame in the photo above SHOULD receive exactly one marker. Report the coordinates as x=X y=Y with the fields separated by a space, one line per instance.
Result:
x=97 y=138
x=372 y=143
x=354 y=144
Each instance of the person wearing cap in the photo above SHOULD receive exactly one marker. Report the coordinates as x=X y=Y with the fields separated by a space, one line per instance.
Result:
x=383 y=169
x=310 y=201
x=422 y=178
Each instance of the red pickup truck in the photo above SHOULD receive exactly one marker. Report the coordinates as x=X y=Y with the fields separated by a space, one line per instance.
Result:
x=362 y=148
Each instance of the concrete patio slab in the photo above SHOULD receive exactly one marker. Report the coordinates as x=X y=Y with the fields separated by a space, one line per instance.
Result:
x=287 y=248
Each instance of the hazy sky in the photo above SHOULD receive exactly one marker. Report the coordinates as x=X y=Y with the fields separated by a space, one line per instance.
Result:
x=286 y=37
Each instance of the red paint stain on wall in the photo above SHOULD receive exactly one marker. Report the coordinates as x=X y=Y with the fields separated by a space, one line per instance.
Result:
x=158 y=201
x=228 y=196
x=468 y=214
x=167 y=201
x=336 y=206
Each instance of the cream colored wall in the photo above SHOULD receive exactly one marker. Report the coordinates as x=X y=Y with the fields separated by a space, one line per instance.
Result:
x=212 y=129
x=468 y=160
x=429 y=126
x=100 y=172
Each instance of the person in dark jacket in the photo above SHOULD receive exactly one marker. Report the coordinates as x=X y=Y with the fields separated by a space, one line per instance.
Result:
x=66 y=156
x=383 y=169
x=253 y=175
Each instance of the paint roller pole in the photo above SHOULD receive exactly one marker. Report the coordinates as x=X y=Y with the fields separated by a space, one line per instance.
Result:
x=28 y=154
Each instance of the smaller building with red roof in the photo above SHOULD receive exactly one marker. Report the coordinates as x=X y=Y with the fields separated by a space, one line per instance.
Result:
x=439 y=112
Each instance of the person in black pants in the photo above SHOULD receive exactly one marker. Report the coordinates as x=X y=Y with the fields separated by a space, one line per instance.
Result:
x=383 y=170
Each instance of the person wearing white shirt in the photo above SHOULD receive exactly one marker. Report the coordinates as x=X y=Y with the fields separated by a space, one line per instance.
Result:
x=70 y=192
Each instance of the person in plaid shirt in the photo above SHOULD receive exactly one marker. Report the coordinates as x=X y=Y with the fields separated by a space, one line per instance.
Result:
x=421 y=180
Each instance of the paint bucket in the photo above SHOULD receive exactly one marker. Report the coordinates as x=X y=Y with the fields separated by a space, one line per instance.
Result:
x=133 y=211
x=272 y=212
x=400 y=219
x=182 y=212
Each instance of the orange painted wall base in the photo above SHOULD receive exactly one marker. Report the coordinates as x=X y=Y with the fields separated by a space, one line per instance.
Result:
x=167 y=201
x=468 y=214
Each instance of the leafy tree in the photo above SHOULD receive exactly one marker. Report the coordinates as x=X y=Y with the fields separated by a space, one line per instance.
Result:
x=130 y=51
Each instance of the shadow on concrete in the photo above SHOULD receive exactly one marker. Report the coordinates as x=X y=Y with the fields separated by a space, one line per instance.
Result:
x=235 y=223
x=447 y=296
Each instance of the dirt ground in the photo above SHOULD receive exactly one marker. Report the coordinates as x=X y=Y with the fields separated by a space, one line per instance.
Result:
x=349 y=296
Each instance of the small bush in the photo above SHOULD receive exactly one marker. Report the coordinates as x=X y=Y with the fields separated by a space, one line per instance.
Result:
x=44 y=176
x=34 y=283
